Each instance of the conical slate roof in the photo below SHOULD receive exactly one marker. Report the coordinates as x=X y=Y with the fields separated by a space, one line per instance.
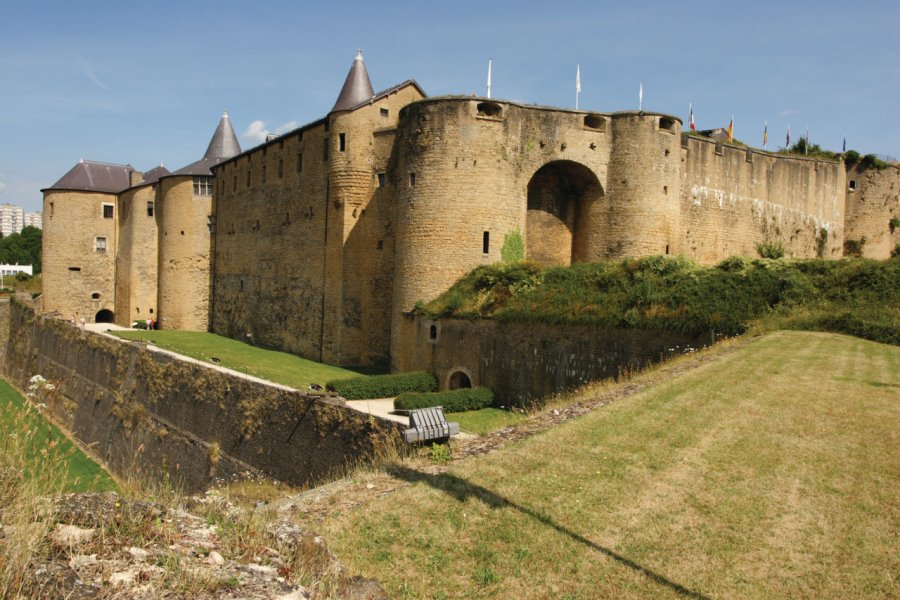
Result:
x=357 y=87
x=91 y=176
x=222 y=146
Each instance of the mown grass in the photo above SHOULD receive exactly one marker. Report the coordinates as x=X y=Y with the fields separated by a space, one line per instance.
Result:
x=19 y=421
x=856 y=296
x=280 y=367
x=771 y=471
x=485 y=420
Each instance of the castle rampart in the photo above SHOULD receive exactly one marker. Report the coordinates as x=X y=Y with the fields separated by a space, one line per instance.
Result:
x=136 y=259
x=872 y=224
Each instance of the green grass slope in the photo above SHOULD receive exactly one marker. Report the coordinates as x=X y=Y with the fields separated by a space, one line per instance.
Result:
x=770 y=471
x=855 y=296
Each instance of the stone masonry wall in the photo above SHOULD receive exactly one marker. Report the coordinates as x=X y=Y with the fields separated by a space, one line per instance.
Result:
x=733 y=197
x=136 y=260
x=872 y=201
x=524 y=363
x=78 y=279
x=149 y=413
x=181 y=219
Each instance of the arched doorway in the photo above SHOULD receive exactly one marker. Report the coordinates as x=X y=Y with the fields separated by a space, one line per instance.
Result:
x=105 y=316
x=562 y=198
x=459 y=379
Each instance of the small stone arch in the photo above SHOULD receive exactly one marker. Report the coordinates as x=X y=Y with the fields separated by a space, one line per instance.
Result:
x=564 y=198
x=458 y=378
x=105 y=316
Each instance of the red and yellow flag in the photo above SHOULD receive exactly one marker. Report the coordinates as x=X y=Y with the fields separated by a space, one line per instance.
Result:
x=731 y=129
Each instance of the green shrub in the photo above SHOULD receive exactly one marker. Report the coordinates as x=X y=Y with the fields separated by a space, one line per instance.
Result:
x=513 y=249
x=893 y=224
x=383 y=386
x=854 y=247
x=459 y=400
x=851 y=157
x=870 y=161
x=733 y=264
x=772 y=249
x=22 y=276
x=895 y=253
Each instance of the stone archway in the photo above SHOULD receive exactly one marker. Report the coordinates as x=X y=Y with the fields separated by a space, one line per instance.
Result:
x=561 y=199
x=459 y=379
x=105 y=316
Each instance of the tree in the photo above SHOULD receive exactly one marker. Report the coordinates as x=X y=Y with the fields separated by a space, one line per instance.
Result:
x=22 y=248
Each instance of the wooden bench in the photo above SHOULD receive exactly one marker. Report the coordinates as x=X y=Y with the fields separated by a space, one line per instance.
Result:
x=427 y=424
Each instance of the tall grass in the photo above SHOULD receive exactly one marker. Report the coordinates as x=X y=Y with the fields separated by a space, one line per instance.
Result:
x=856 y=296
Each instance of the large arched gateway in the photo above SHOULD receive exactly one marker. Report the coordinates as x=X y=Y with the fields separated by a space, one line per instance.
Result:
x=562 y=198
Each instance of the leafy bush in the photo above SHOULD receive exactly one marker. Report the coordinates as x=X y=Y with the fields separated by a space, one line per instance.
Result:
x=895 y=253
x=851 y=157
x=459 y=400
x=22 y=276
x=854 y=247
x=733 y=264
x=894 y=223
x=513 y=249
x=771 y=249
x=870 y=161
x=383 y=386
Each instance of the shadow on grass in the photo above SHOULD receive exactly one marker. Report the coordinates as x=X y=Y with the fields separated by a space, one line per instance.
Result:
x=461 y=489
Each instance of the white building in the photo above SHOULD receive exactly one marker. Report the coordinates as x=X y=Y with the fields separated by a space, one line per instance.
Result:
x=34 y=219
x=14 y=218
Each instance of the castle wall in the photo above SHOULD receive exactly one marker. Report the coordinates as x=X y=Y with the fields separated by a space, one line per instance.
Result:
x=184 y=247
x=462 y=183
x=269 y=244
x=78 y=279
x=136 y=260
x=523 y=363
x=149 y=414
x=873 y=200
x=733 y=197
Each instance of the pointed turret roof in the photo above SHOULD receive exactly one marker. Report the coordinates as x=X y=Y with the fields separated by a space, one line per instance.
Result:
x=91 y=176
x=357 y=87
x=222 y=146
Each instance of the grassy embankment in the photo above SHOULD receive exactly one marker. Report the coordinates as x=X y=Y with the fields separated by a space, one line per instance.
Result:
x=23 y=428
x=856 y=296
x=770 y=471
x=280 y=367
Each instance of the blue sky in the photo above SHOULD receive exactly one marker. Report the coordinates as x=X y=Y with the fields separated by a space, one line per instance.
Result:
x=145 y=83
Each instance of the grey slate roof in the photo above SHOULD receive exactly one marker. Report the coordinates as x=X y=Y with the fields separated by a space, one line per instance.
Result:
x=93 y=176
x=357 y=87
x=153 y=175
x=223 y=145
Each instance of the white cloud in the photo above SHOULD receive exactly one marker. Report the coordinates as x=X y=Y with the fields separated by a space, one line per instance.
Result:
x=787 y=112
x=256 y=132
x=88 y=71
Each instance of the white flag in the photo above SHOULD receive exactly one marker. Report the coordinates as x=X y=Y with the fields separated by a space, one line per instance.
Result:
x=578 y=79
x=641 y=97
x=489 y=79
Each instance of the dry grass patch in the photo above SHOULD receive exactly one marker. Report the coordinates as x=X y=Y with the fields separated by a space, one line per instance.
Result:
x=770 y=471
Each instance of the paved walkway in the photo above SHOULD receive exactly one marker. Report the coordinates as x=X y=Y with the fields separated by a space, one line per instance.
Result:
x=382 y=407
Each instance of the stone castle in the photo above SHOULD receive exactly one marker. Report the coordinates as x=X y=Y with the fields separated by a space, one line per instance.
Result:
x=320 y=241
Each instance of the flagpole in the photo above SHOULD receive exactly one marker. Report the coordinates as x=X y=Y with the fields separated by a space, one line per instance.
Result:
x=641 y=98
x=489 y=79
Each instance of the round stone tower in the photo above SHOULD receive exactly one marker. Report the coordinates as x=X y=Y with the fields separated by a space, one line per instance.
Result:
x=643 y=185
x=183 y=209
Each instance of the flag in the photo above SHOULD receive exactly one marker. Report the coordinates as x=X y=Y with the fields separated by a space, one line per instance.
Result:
x=577 y=84
x=692 y=126
x=730 y=130
x=787 y=142
x=845 y=144
x=641 y=97
x=489 y=79
x=766 y=135
x=806 y=146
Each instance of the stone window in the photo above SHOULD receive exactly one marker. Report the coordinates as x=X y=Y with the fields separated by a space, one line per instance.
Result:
x=280 y=168
x=299 y=162
x=234 y=184
x=384 y=112
x=325 y=149
x=852 y=185
x=264 y=174
x=486 y=242
x=265 y=150
x=76 y=269
x=381 y=180
x=203 y=186
x=149 y=209
x=100 y=244
x=95 y=296
x=489 y=109
x=108 y=211
x=667 y=124
x=379 y=245
x=412 y=180
x=432 y=332
x=248 y=177
x=595 y=122
x=342 y=141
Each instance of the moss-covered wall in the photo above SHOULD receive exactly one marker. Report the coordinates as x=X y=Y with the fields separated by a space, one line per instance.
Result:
x=143 y=410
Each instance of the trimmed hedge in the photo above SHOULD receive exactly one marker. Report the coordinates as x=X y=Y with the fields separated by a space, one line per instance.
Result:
x=383 y=386
x=453 y=400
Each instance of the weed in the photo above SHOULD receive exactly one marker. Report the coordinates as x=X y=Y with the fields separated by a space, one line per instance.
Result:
x=771 y=249
x=486 y=576
x=440 y=453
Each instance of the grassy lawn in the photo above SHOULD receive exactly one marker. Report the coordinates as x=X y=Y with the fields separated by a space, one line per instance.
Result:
x=279 y=367
x=771 y=471
x=485 y=420
x=35 y=434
